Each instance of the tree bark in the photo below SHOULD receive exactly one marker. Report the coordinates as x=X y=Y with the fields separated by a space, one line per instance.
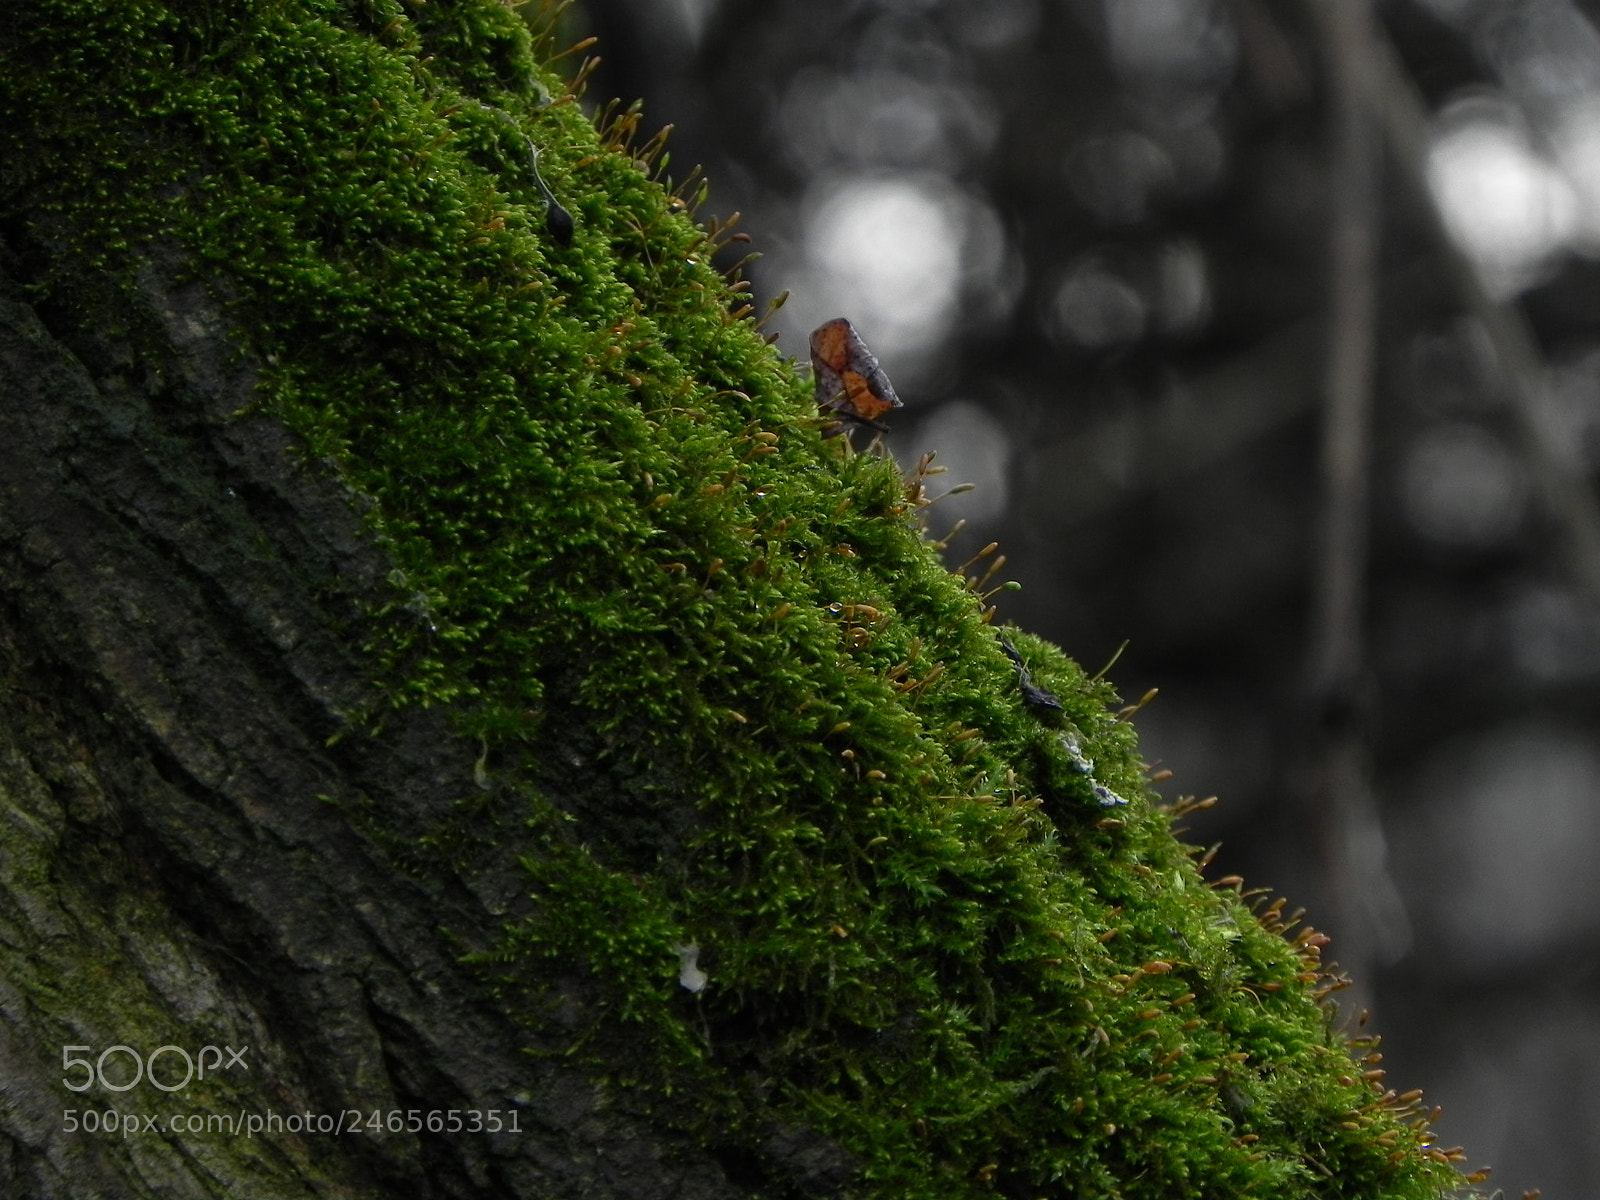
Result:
x=181 y=588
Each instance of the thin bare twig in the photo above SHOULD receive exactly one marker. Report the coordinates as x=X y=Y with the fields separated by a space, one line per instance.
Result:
x=1349 y=834
x=1338 y=660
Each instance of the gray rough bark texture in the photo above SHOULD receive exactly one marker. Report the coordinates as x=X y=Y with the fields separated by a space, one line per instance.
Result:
x=180 y=607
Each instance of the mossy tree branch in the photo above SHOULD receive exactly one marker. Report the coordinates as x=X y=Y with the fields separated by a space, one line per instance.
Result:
x=451 y=662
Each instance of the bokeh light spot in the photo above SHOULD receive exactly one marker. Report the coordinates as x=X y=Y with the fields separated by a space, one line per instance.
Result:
x=1461 y=486
x=1508 y=208
x=891 y=248
x=1521 y=816
x=1095 y=309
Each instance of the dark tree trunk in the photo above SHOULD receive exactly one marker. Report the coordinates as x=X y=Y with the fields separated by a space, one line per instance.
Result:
x=181 y=618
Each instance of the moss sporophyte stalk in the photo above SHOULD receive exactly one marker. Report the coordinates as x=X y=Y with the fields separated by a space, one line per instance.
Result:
x=725 y=695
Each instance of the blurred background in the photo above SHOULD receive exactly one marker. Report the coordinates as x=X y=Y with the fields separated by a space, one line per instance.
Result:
x=1269 y=332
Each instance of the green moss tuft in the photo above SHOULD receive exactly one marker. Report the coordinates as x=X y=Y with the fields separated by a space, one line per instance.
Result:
x=726 y=694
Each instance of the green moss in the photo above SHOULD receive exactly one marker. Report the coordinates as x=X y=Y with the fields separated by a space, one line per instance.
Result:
x=726 y=694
